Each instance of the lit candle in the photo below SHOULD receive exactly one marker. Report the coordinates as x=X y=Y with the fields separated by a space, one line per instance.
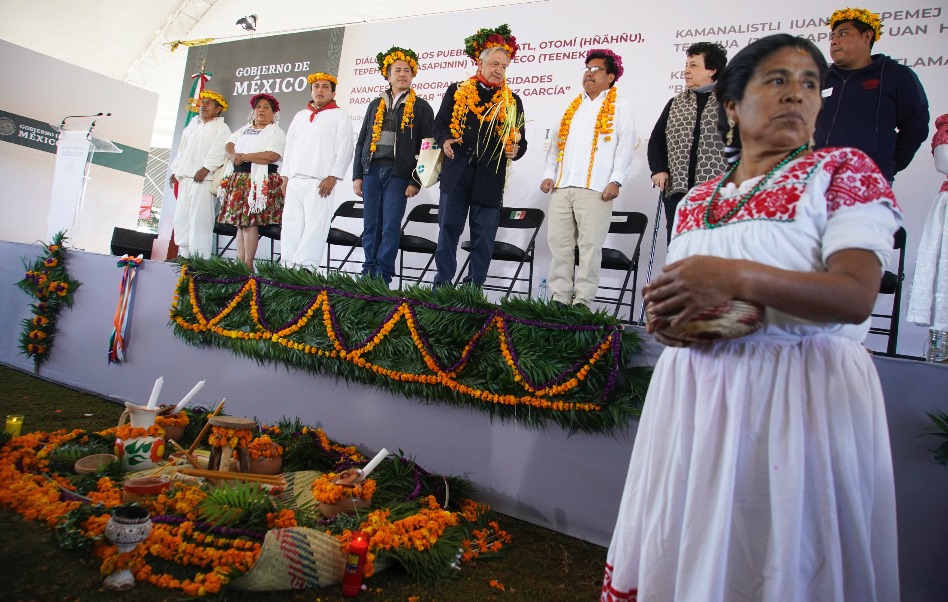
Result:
x=188 y=397
x=14 y=424
x=355 y=564
x=156 y=390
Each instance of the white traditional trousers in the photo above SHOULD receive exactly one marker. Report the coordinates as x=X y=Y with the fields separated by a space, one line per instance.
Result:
x=306 y=218
x=194 y=217
x=578 y=217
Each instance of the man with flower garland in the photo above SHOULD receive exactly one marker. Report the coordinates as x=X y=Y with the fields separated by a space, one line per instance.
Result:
x=386 y=152
x=480 y=128
x=870 y=102
x=318 y=151
x=585 y=168
x=200 y=154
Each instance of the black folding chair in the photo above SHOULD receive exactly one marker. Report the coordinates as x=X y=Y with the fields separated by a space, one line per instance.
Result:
x=892 y=285
x=528 y=219
x=273 y=232
x=413 y=243
x=224 y=230
x=344 y=238
x=623 y=223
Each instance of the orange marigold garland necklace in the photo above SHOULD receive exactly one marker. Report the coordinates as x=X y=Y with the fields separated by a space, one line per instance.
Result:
x=468 y=99
x=603 y=127
x=407 y=115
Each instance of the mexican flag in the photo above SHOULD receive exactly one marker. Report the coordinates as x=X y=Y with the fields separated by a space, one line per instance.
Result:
x=194 y=98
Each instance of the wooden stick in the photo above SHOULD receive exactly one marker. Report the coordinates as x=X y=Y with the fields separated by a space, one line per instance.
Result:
x=194 y=461
x=207 y=426
x=235 y=476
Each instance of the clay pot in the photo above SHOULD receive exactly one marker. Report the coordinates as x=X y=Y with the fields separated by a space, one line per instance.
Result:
x=143 y=488
x=271 y=465
x=127 y=528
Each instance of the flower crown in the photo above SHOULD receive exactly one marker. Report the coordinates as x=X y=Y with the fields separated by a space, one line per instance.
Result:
x=315 y=77
x=212 y=95
x=499 y=37
x=616 y=59
x=274 y=103
x=395 y=53
x=858 y=14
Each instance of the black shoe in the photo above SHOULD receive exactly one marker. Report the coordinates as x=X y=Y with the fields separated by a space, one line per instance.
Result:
x=560 y=304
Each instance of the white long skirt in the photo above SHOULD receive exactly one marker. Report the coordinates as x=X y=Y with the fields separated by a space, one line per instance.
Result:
x=928 y=298
x=761 y=471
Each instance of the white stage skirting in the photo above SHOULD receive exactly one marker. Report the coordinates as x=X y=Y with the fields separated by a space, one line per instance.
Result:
x=568 y=483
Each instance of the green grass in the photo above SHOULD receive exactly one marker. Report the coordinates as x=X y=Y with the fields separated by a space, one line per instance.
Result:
x=539 y=566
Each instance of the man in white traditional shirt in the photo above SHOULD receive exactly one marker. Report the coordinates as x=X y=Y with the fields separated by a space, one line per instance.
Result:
x=200 y=154
x=319 y=145
x=585 y=168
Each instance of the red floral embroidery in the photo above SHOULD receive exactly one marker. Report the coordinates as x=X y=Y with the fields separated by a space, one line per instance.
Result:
x=941 y=132
x=609 y=594
x=854 y=179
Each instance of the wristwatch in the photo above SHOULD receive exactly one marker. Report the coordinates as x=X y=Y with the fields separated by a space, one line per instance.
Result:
x=619 y=184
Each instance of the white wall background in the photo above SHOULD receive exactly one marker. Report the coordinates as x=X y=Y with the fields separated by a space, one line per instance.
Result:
x=53 y=90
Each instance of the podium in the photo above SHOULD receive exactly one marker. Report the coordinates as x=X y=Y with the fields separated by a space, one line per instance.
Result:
x=74 y=151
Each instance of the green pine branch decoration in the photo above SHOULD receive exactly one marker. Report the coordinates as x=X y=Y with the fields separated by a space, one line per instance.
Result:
x=520 y=360
x=52 y=286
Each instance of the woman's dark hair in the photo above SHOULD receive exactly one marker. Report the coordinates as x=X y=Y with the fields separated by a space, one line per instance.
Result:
x=715 y=56
x=733 y=81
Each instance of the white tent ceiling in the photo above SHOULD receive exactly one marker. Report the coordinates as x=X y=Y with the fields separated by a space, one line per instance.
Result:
x=128 y=40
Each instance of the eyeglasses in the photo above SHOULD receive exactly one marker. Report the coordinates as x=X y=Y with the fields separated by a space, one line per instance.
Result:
x=593 y=69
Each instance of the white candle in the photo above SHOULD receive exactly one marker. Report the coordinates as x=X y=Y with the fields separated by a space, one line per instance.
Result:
x=153 y=400
x=188 y=397
x=374 y=462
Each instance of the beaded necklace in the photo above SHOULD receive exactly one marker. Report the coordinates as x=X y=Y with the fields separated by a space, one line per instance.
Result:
x=743 y=201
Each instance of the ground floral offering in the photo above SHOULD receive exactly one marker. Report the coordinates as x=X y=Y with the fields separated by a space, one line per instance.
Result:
x=244 y=534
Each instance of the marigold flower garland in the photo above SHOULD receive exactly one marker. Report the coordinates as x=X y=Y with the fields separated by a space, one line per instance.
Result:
x=408 y=113
x=354 y=354
x=53 y=287
x=325 y=339
x=603 y=127
x=467 y=98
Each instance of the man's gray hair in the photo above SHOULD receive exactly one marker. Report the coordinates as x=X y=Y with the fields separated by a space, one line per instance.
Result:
x=488 y=51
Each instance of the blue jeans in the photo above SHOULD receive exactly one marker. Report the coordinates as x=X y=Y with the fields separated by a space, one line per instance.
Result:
x=453 y=209
x=383 y=198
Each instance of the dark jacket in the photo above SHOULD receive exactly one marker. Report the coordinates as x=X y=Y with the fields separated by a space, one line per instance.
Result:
x=407 y=142
x=880 y=109
x=480 y=146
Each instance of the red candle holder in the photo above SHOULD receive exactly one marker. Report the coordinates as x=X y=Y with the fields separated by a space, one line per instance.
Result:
x=355 y=564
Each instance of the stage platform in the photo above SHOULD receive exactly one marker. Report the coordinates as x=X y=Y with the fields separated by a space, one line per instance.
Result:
x=569 y=483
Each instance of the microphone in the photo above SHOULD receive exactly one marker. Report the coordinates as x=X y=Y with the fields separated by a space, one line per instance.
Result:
x=63 y=122
x=94 y=120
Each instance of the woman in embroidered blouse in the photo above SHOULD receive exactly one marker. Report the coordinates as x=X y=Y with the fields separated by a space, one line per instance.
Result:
x=253 y=195
x=761 y=467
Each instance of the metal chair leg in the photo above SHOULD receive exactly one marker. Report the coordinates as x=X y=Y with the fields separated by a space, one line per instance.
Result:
x=651 y=257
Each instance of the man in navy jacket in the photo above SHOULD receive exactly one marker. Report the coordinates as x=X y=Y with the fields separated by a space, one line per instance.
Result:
x=870 y=102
